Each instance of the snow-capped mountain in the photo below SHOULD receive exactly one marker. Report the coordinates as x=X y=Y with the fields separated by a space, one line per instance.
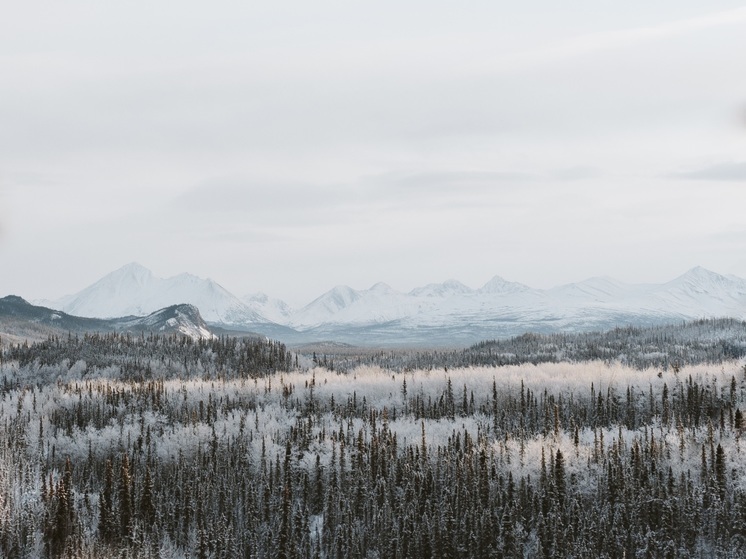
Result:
x=601 y=289
x=344 y=305
x=437 y=314
x=446 y=289
x=500 y=286
x=134 y=290
x=700 y=292
x=452 y=312
x=272 y=309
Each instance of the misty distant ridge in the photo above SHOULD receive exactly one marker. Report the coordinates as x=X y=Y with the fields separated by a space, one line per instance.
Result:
x=439 y=313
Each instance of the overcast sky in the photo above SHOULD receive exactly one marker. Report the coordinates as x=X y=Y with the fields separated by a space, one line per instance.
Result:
x=288 y=147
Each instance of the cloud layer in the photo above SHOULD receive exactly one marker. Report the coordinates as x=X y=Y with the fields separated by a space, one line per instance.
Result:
x=288 y=147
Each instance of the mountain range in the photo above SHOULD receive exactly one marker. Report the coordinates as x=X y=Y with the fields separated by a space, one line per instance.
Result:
x=448 y=313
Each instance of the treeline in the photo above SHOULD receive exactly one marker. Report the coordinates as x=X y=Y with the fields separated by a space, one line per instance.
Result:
x=675 y=345
x=153 y=356
x=554 y=460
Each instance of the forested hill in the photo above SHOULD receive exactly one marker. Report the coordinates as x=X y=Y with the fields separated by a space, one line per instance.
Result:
x=674 y=345
x=127 y=357
x=700 y=341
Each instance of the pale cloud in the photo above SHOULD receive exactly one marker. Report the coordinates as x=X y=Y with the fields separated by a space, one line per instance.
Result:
x=623 y=38
x=294 y=145
x=720 y=172
x=580 y=172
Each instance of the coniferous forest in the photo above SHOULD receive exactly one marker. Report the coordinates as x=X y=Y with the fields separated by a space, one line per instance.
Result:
x=149 y=446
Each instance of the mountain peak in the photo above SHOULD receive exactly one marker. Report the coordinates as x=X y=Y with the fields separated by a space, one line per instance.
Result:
x=700 y=277
x=700 y=272
x=15 y=299
x=381 y=287
x=445 y=289
x=133 y=268
x=454 y=284
x=500 y=285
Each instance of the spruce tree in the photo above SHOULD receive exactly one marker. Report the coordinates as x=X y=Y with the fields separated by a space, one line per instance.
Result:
x=125 y=499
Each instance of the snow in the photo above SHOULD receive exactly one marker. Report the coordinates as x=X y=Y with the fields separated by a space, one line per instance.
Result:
x=497 y=309
x=134 y=291
x=446 y=289
x=498 y=285
x=696 y=294
x=274 y=310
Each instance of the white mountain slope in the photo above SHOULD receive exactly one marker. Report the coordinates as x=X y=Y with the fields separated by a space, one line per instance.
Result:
x=702 y=293
x=600 y=289
x=446 y=289
x=597 y=302
x=448 y=312
x=275 y=310
x=134 y=290
x=500 y=286
x=344 y=305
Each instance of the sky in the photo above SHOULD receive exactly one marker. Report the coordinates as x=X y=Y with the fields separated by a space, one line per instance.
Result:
x=291 y=146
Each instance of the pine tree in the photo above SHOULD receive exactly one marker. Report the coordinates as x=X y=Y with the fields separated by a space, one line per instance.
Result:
x=559 y=477
x=60 y=515
x=147 y=507
x=284 y=542
x=125 y=499
x=106 y=506
x=720 y=470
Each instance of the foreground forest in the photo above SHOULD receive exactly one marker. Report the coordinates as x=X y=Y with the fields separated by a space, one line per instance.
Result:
x=133 y=446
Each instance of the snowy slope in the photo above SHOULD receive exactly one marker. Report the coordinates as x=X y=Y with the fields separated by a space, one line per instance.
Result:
x=134 y=290
x=344 y=305
x=600 y=289
x=448 y=288
x=180 y=319
x=500 y=286
x=509 y=308
x=448 y=312
x=701 y=293
x=275 y=310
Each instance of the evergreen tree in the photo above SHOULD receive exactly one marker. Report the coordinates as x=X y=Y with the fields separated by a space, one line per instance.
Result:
x=125 y=498
x=106 y=506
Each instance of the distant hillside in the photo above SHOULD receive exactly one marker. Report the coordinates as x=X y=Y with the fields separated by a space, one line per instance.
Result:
x=20 y=320
x=667 y=346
